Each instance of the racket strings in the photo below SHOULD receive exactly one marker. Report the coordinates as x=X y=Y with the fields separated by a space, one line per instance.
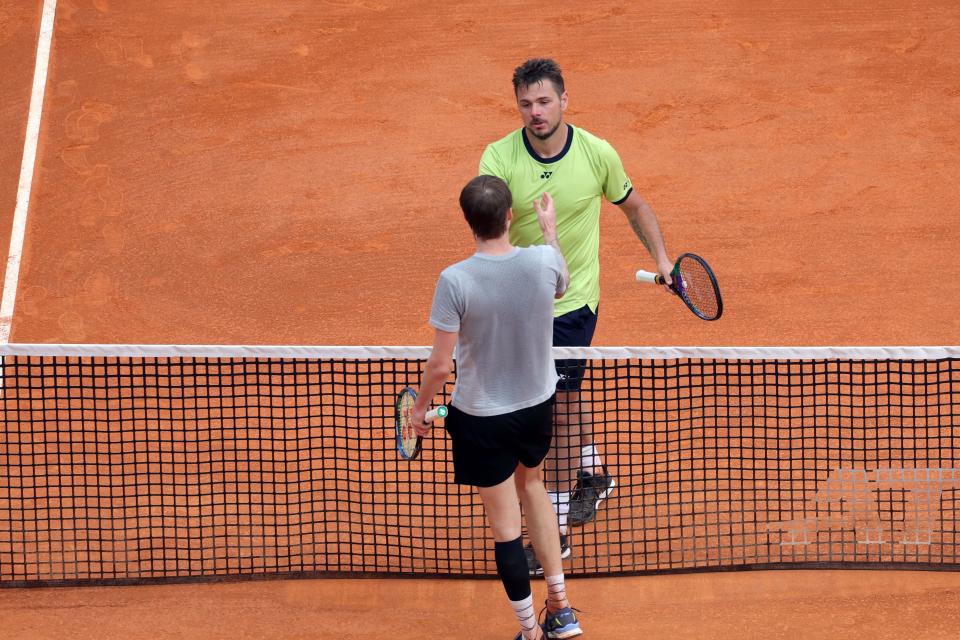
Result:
x=408 y=437
x=699 y=287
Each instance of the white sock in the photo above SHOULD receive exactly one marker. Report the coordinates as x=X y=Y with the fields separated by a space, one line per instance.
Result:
x=561 y=505
x=526 y=616
x=590 y=458
x=556 y=593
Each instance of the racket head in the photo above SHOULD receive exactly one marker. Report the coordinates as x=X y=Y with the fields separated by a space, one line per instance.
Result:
x=408 y=442
x=695 y=283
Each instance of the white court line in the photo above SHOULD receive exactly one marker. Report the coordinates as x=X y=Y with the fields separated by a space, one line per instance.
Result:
x=27 y=164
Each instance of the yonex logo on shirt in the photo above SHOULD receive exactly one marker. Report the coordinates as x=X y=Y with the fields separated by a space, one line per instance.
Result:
x=546 y=175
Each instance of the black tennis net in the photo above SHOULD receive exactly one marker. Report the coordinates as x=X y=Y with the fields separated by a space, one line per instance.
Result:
x=125 y=464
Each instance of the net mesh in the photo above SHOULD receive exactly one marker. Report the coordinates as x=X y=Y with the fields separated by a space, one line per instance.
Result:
x=130 y=468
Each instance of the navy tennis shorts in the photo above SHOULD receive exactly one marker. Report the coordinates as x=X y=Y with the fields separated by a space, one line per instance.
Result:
x=573 y=329
x=487 y=449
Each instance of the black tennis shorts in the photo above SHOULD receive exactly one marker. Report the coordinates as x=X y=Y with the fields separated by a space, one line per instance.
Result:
x=573 y=329
x=487 y=449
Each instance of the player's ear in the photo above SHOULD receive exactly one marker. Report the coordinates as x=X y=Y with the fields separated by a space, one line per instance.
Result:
x=563 y=101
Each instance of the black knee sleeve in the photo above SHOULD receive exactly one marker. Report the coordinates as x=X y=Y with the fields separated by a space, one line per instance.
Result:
x=512 y=568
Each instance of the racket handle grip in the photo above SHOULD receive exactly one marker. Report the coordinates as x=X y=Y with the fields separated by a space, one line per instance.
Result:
x=433 y=414
x=648 y=277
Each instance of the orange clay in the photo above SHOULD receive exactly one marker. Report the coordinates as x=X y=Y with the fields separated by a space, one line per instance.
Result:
x=286 y=172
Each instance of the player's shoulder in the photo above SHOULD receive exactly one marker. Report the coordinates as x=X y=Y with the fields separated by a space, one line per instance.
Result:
x=591 y=141
x=505 y=143
x=534 y=250
x=543 y=253
x=456 y=270
x=502 y=156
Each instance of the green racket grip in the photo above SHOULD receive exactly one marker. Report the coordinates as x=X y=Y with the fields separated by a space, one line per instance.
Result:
x=648 y=277
x=433 y=414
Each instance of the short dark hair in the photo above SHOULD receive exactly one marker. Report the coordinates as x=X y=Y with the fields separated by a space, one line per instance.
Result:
x=485 y=202
x=536 y=70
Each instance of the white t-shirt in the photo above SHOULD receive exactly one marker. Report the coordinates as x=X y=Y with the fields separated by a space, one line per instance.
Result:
x=502 y=308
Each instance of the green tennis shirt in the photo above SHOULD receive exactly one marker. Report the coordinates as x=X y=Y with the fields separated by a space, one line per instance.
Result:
x=576 y=178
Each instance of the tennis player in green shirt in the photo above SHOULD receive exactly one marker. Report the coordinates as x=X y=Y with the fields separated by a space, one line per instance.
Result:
x=577 y=169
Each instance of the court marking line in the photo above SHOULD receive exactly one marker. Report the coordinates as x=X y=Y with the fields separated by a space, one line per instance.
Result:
x=27 y=169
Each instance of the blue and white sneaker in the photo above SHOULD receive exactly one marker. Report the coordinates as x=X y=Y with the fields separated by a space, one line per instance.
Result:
x=562 y=624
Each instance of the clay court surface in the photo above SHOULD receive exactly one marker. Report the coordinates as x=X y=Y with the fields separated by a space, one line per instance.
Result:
x=287 y=172
x=882 y=605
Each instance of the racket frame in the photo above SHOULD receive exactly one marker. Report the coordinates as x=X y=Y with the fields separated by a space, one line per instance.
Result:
x=433 y=414
x=677 y=286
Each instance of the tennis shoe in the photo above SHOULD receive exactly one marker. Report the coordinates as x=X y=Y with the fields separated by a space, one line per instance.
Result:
x=588 y=493
x=519 y=635
x=562 y=624
x=534 y=566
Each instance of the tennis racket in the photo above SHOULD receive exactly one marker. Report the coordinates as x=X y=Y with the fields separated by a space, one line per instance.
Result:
x=408 y=442
x=694 y=282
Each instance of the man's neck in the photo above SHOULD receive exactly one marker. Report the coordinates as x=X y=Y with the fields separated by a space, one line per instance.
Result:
x=553 y=145
x=495 y=247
